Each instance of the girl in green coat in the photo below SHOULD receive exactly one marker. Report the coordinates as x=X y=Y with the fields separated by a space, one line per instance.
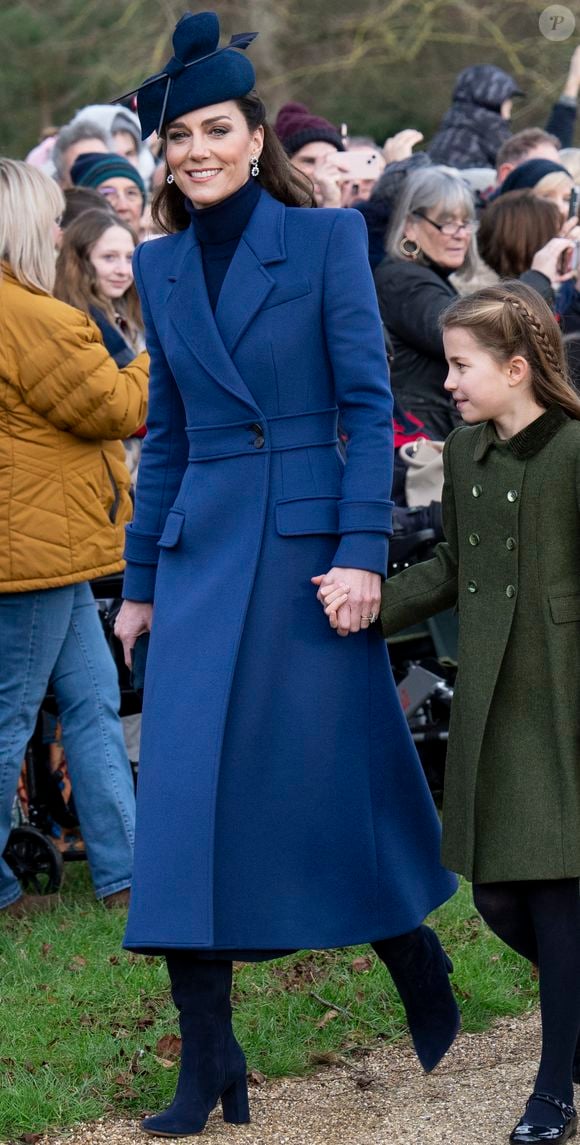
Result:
x=511 y=565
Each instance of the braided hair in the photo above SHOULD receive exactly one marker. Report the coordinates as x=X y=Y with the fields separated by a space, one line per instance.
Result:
x=513 y=319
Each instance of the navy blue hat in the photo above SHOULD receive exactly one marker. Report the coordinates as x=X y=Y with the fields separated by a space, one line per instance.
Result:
x=198 y=73
x=95 y=167
x=528 y=174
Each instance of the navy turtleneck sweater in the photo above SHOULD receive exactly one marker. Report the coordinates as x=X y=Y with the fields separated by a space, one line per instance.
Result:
x=219 y=229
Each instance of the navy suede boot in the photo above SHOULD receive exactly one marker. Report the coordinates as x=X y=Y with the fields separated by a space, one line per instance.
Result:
x=420 y=970
x=213 y=1065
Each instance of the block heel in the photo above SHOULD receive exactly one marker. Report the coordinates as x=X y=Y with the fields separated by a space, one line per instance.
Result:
x=235 y=1104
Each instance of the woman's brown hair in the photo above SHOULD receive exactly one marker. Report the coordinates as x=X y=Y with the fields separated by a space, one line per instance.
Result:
x=511 y=319
x=76 y=278
x=512 y=228
x=277 y=175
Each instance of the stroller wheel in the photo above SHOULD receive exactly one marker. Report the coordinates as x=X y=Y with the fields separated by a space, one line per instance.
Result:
x=35 y=860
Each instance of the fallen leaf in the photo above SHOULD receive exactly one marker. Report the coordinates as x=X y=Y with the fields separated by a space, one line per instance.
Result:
x=144 y=1023
x=324 y=1059
x=30 y=1138
x=326 y=1018
x=78 y=963
x=114 y=959
x=166 y=1063
x=364 y=1081
x=169 y=1046
x=45 y=949
x=361 y=965
x=256 y=1078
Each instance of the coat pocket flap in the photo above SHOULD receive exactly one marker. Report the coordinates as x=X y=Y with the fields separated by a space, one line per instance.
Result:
x=565 y=609
x=172 y=531
x=299 y=516
x=288 y=293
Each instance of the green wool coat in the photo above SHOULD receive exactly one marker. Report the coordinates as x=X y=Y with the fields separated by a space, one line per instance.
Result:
x=511 y=564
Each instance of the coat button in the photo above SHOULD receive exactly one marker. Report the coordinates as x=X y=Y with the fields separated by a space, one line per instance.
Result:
x=259 y=439
x=511 y=544
x=477 y=491
x=472 y=586
x=474 y=539
x=512 y=495
x=510 y=591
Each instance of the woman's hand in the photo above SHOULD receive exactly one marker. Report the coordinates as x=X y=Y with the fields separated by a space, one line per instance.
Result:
x=400 y=146
x=134 y=618
x=350 y=597
x=548 y=260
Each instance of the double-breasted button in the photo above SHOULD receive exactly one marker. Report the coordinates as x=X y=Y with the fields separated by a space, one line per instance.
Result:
x=510 y=591
x=511 y=544
x=472 y=586
x=259 y=439
x=512 y=495
x=476 y=491
x=474 y=539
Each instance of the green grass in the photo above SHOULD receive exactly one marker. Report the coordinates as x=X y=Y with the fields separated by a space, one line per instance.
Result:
x=81 y=1021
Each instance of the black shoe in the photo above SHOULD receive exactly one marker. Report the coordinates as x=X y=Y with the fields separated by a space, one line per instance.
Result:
x=527 y=1133
x=213 y=1066
x=420 y=970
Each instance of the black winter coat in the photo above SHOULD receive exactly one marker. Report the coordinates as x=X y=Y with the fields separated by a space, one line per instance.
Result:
x=411 y=297
x=472 y=131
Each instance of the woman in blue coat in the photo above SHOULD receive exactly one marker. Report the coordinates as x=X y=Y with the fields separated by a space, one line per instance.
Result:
x=281 y=804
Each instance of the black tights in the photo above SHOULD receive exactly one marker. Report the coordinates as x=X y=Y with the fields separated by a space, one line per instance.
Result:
x=541 y=921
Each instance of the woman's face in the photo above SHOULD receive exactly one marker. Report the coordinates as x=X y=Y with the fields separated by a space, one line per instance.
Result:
x=208 y=152
x=447 y=250
x=559 y=194
x=111 y=257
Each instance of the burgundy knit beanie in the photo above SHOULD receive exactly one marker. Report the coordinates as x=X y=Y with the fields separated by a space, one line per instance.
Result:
x=295 y=126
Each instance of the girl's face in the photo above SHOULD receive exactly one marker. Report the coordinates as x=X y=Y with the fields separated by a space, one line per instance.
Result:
x=481 y=388
x=209 y=150
x=112 y=257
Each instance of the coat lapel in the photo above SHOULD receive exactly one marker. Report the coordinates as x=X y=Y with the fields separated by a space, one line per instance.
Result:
x=192 y=317
x=247 y=283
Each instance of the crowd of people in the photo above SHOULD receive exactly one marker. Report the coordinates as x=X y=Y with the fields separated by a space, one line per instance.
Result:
x=194 y=358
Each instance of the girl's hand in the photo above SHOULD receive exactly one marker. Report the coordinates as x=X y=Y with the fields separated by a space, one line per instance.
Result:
x=134 y=617
x=363 y=598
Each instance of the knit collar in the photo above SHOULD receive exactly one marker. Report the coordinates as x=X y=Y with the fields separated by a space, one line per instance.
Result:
x=528 y=441
x=228 y=219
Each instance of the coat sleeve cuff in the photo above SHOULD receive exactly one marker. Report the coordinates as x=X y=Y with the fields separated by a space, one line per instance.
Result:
x=365 y=517
x=139 y=583
x=141 y=548
x=363 y=551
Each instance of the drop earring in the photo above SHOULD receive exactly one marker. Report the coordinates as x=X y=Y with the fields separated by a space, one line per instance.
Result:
x=170 y=179
x=255 y=168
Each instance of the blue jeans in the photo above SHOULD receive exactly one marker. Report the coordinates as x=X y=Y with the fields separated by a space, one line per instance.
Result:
x=55 y=635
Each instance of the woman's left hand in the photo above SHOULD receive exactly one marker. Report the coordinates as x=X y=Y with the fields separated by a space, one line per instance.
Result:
x=363 y=598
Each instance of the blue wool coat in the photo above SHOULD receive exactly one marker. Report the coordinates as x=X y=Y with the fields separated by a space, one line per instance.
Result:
x=281 y=803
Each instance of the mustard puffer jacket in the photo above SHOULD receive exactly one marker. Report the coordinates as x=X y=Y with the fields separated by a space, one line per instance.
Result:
x=64 y=406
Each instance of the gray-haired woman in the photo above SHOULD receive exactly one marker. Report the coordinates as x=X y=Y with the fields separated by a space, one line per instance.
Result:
x=431 y=236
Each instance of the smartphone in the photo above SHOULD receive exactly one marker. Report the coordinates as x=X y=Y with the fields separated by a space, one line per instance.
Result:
x=574 y=202
x=569 y=259
x=363 y=164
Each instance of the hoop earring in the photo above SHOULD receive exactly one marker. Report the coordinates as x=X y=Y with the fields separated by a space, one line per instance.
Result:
x=255 y=168
x=409 y=248
x=170 y=179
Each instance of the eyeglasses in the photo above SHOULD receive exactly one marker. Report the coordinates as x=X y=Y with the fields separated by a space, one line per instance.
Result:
x=450 y=228
x=129 y=194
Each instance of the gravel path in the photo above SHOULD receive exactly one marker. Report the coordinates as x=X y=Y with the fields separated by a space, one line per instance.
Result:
x=474 y=1098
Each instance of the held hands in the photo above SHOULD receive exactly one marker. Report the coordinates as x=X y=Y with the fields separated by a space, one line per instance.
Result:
x=134 y=618
x=350 y=597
